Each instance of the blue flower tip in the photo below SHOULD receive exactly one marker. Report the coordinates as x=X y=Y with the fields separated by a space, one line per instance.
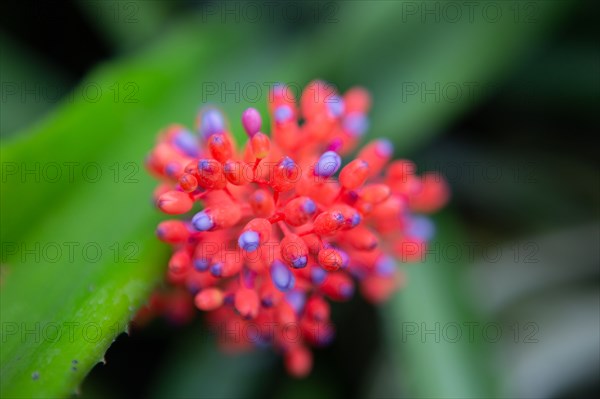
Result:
x=202 y=221
x=249 y=240
x=300 y=262
x=309 y=206
x=216 y=269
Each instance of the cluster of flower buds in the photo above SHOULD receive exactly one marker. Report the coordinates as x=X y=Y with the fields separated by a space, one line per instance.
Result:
x=272 y=233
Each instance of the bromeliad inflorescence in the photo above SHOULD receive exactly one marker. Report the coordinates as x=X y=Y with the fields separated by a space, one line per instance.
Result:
x=276 y=234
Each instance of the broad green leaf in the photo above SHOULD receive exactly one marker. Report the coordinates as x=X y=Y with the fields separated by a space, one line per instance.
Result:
x=60 y=311
x=437 y=341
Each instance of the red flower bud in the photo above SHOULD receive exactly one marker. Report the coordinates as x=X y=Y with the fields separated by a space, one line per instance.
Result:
x=175 y=202
x=209 y=299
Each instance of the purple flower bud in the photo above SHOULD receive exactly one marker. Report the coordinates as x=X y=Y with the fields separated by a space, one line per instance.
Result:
x=251 y=121
x=282 y=276
x=420 y=227
x=385 y=266
x=328 y=164
x=355 y=220
x=187 y=142
x=211 y=122
x=202 y=221
x=299 y=262
x=335 y=104
x=296 y=299
x=201 y=264
x=171 y=168
x=287 y=163
x=249 y=240
x=345 y=258
x=283 y=113
x=385 y=148
x=267 y=302
x=204 y=164
x=339 y=217
x=216 y=269
x=309 y=206
x=228 y=299
x=356 y=124
x=317 y=275
x=248 y=277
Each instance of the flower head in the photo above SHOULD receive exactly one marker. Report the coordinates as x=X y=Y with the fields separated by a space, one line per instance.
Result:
x=276 y=234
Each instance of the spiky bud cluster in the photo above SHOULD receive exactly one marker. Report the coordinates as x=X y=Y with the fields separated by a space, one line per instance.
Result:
x=272 y=232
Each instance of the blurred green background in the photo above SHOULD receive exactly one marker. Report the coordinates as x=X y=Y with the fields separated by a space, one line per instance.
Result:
x=500 y=96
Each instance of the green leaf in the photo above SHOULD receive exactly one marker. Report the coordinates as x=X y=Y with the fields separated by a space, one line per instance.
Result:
x=429 y=324
x=79 y=251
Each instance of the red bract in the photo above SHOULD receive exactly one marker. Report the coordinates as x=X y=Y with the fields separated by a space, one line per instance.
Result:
x=274 y=233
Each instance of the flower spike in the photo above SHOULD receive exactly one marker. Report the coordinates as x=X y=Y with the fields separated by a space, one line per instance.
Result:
x=275 y=235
